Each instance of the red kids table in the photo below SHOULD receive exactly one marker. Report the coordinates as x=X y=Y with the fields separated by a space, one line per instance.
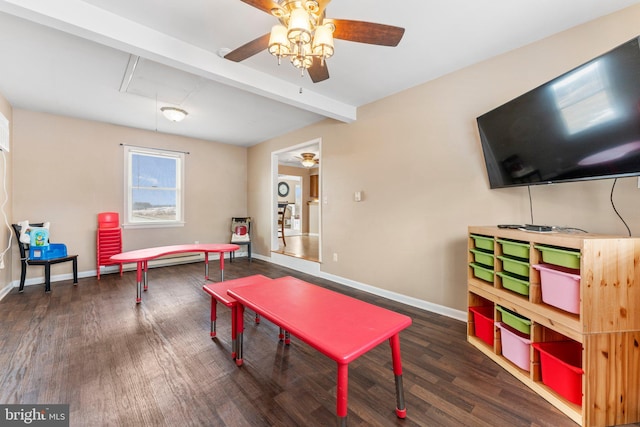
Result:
x=218 y=292
x=338 y=326
x=142 y=256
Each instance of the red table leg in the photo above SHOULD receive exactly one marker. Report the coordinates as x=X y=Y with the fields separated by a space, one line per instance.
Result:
x=401 y=409
x=222 y=266
x=214 y=304
x=341 y=393
x=139 y=282
x=146 y=269
x=239 y=315
x=234 y=331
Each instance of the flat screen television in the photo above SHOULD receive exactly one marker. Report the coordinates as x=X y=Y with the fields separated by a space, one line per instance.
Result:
x=582 y=125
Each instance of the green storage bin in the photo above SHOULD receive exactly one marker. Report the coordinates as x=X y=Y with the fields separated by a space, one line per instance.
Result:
x=482 y=257
x=514 y=320
x=515 y=284
x=559 y=256
x=482 y=272
x=521 y=268
x=515 y=248
x=483 y=242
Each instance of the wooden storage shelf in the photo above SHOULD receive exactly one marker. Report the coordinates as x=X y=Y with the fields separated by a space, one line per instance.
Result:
x=607 y=326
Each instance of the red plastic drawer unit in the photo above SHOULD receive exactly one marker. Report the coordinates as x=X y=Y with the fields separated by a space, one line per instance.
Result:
x=483 y=321
x=561 y=367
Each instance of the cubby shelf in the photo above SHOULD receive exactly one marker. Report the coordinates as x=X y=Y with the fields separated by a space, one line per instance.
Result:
x=607 y=325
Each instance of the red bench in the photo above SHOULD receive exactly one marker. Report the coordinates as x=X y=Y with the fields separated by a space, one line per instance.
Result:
x=218 y=292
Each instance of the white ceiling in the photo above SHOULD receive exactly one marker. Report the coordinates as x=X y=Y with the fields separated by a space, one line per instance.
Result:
x=71 y=57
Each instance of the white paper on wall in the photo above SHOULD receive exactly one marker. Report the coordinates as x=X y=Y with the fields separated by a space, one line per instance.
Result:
x=4 y=133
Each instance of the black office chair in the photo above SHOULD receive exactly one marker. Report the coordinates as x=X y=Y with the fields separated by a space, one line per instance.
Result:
x=241 y=234
x=25 y=261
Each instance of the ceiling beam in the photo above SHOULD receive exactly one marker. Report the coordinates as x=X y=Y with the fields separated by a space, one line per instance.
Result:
x=84 y=20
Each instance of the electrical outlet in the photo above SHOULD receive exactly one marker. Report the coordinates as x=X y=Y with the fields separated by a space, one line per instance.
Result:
x=196 y=242
x=335 y=257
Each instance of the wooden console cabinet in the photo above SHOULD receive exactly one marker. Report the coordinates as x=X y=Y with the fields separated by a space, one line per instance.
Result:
x=607 y=325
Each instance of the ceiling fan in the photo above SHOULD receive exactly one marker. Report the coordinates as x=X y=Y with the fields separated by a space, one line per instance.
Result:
x=306 y=36
x=308 y=160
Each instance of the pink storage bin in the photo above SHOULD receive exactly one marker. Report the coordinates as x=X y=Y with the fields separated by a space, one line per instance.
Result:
x=515 y=346
x=560 y=287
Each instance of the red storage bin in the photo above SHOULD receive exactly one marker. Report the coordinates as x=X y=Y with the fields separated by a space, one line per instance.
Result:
x=561 y=368
x=483 y=321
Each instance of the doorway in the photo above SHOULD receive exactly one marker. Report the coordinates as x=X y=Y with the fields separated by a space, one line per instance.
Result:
x=302 y=233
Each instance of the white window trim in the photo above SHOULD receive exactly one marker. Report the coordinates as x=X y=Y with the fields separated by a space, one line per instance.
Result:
x=180 y=209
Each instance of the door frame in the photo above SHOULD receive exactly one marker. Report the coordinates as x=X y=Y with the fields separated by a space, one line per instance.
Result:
x=274 y=193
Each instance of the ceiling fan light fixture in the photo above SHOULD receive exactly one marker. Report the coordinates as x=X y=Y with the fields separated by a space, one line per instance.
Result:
x=299 y=26
x=323 y=41
x=300 y=58
x=278 y=41
x=278 y=12
x=174 y=114
x=307 y=160
x=310 y=35
x=312 y=6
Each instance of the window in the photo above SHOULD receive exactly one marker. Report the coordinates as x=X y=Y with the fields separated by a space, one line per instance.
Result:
x=154 y=187
x=584 y=98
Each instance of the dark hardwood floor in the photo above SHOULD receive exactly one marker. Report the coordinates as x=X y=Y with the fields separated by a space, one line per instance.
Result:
x=121 y=364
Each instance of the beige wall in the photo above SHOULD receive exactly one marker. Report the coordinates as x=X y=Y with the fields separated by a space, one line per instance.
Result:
x=6 y=177
x=417 y=158
x=70 y=170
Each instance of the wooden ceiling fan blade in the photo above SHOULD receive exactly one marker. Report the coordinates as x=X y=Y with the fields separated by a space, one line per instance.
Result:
x=249 y=49
x=318 y=71
x=263 y=5
x=366 y=32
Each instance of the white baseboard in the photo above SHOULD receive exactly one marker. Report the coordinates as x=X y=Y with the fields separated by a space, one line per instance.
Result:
x=298 y=264
x=313 y=269
x=160 y=262
x=6 y=290
x=404 y=299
